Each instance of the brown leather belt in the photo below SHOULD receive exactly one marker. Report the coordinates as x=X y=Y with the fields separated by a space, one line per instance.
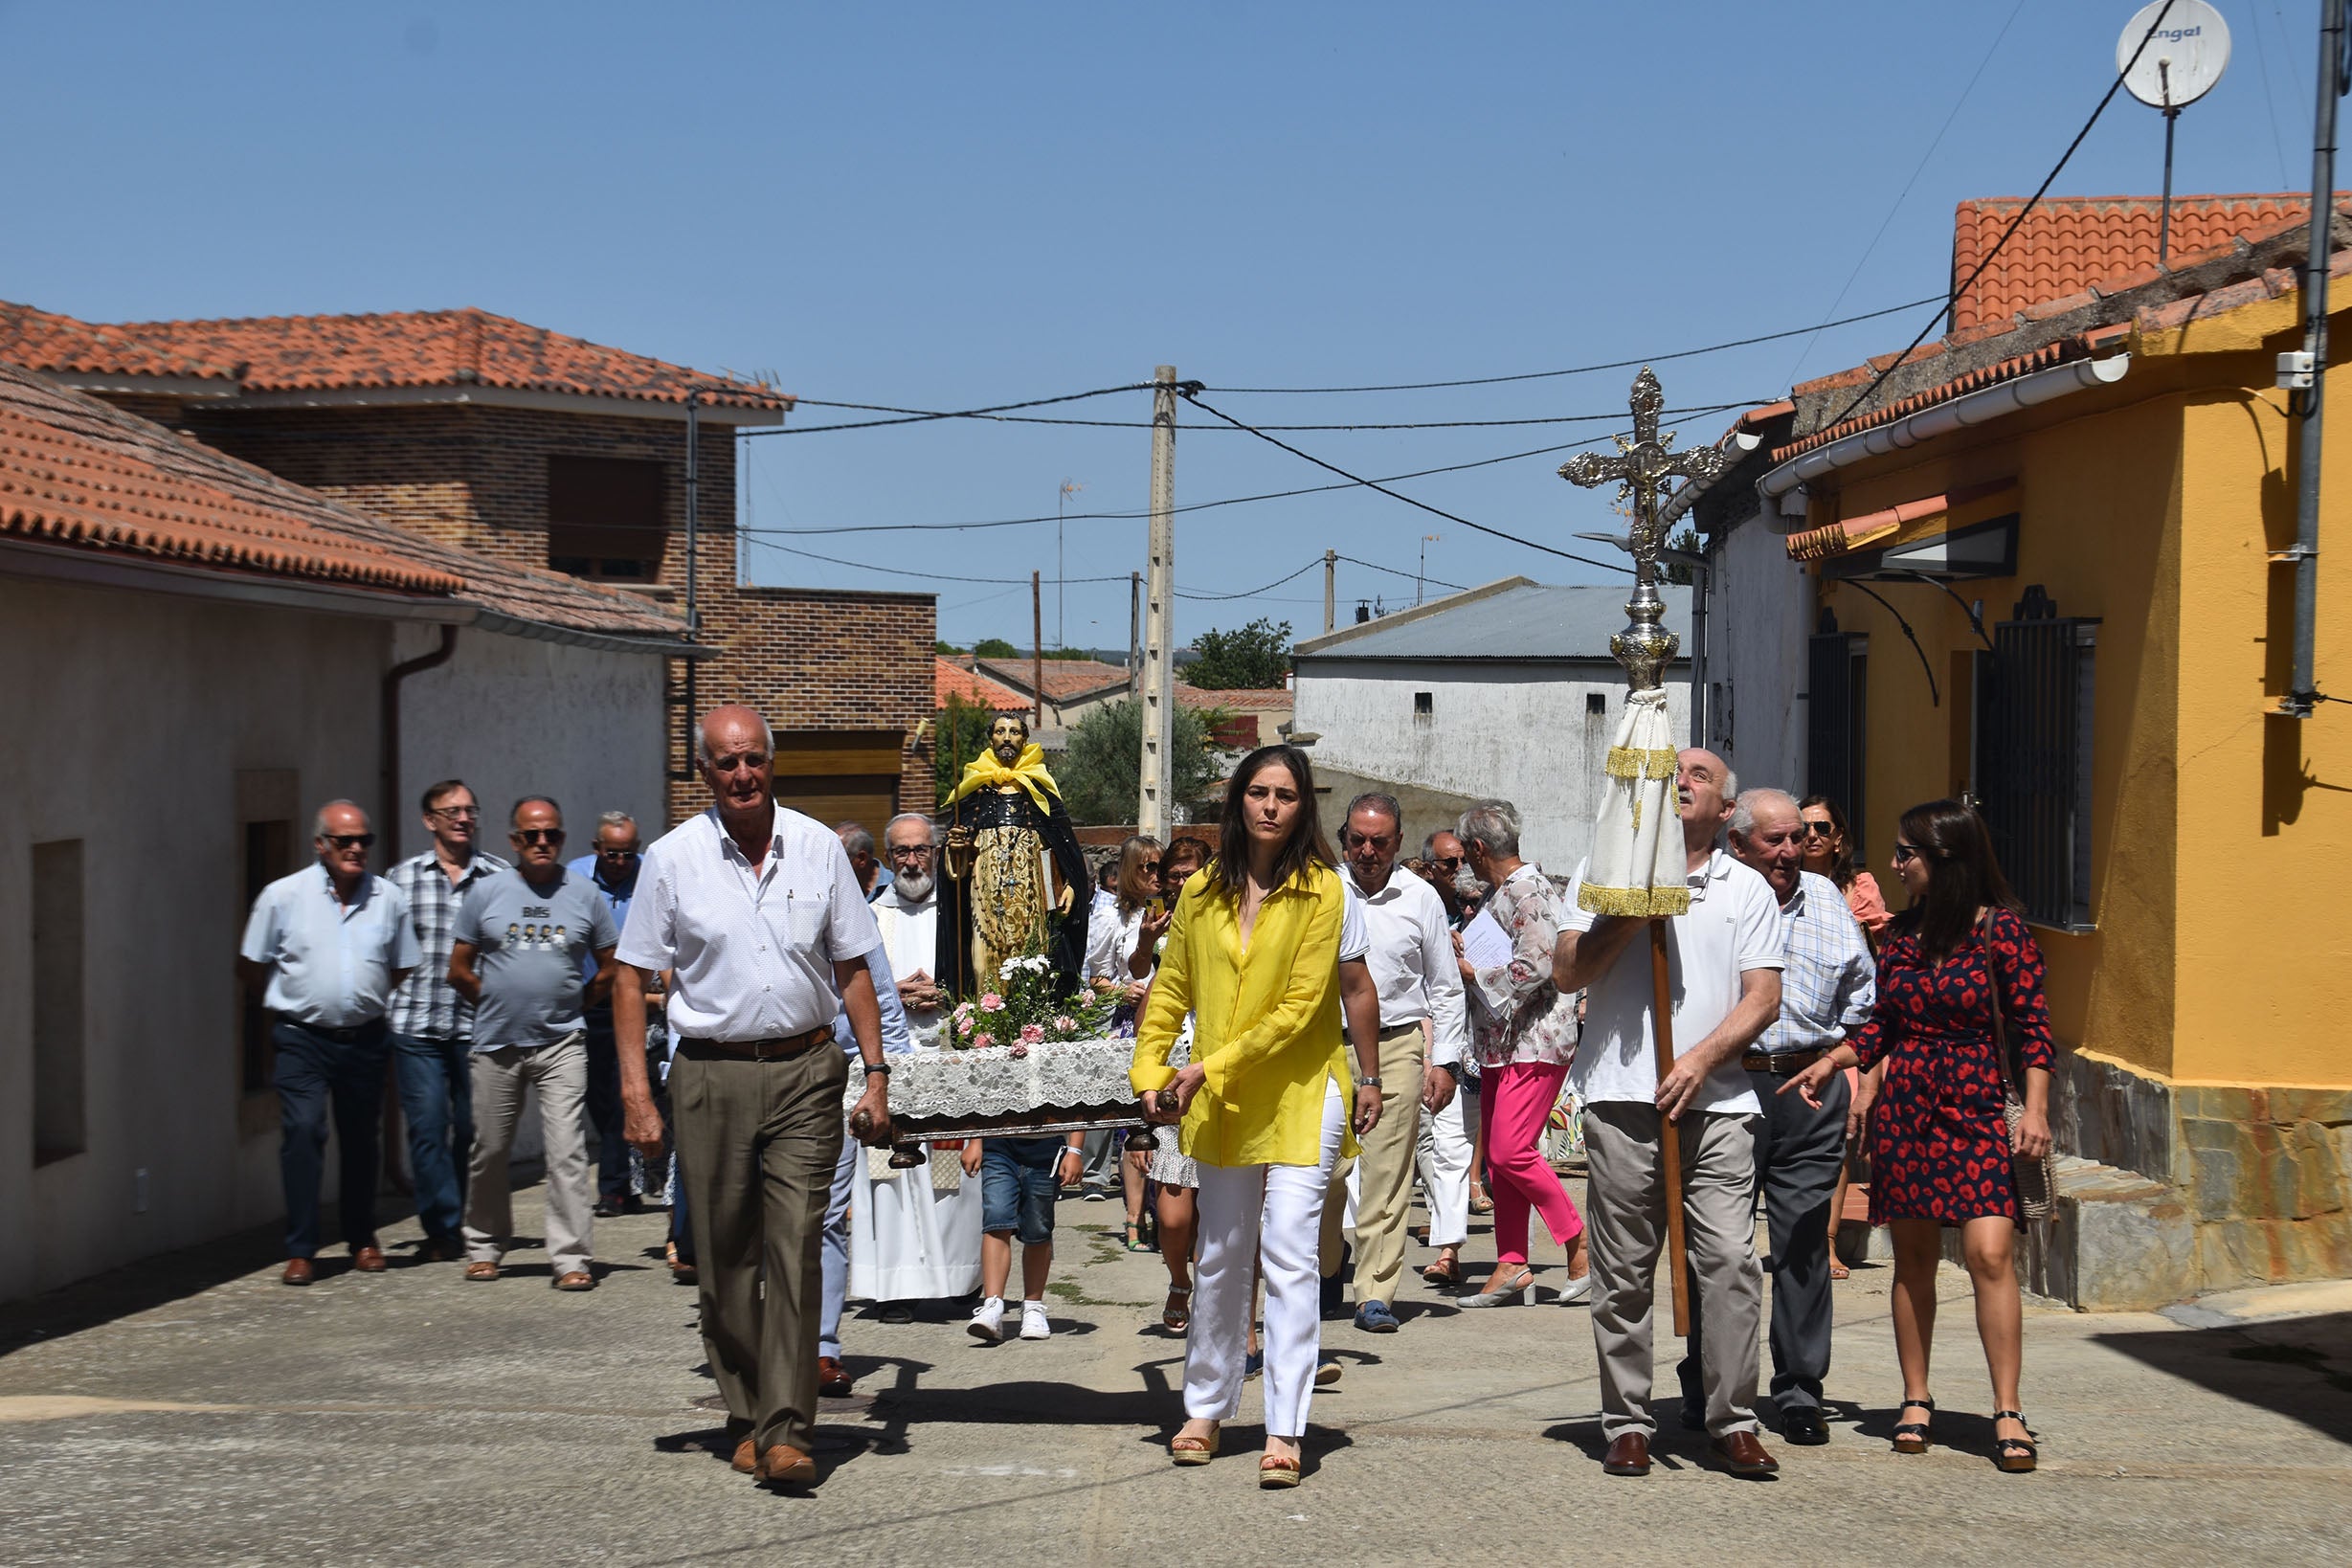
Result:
x=774 y=1048
x=1781 y=1063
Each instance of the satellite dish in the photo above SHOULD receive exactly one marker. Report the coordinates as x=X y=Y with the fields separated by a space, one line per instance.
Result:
x=2183 y=61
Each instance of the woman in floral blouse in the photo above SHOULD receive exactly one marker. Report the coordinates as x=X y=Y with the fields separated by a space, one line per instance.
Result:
x=1525 y=1031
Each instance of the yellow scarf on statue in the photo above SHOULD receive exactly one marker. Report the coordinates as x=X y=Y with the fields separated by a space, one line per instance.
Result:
x=985 y=772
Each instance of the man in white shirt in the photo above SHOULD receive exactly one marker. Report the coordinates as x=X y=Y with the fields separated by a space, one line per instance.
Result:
x=1725 y=958
x=757 y=914
x=1411 y=957
x=908 y=913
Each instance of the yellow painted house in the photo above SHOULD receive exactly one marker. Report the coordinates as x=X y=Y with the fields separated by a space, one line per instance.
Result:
x=2040 y=568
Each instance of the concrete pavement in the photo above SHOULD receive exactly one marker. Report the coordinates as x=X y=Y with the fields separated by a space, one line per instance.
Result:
x=198 y=1412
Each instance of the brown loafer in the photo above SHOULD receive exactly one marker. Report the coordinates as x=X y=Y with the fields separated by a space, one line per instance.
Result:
x=298 y=1271
x=784 y=1466
x=579 y=1279
x=368 y=1259
x=1628 y=1455
x=1742 y=1454
x=832 y=1382
x=747 y=1457
x=481 y=1270
x=440 y=1249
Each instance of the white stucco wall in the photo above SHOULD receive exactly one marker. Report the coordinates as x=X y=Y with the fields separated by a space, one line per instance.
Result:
x=1759 y=606
x=1522 y=731
x=515 y=716
x=128 y=718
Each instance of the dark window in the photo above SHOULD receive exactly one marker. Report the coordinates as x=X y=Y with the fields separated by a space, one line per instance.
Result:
x=1837 y=689
x=1596 y=701
x=2034 y=757
x=1425 y=706
x=58 y=1000
x=267 y=846
x=604 y=518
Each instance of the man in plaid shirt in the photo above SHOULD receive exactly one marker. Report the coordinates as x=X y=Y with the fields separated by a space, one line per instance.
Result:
x=432 y=1025
x=1827 y=992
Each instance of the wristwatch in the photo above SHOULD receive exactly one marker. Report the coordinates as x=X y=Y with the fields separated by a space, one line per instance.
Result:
x=876 y=1068
x=1369 y=1081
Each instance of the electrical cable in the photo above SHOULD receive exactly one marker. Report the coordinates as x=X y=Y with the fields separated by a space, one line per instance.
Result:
x=1146 y=424
x=1398 y=494
x=1255 y=591
x=1416 y=576
x=2113 y=87
x=1583 y=369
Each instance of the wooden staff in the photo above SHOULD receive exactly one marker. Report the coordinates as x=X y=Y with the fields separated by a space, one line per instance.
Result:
x=1669 y=1138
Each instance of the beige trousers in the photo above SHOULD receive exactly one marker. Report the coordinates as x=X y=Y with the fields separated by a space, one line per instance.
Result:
x=1624 y=1215
x=500 y=1077
x=1384 y=1168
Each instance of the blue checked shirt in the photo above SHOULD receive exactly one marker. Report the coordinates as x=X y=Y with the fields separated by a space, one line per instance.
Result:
x=1832 y=981
x=427 y=1004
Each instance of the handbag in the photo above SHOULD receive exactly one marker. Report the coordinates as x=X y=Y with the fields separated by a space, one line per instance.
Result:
x=2034 y=1175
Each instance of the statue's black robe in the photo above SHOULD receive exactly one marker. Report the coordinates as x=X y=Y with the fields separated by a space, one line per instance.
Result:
x=1066 y=936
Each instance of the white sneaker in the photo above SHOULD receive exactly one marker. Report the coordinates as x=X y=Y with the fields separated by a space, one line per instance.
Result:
x=1033 y=1324
x=987 y=1322
x=1577 y=1291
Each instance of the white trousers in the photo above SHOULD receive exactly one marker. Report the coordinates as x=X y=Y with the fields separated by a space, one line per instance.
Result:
x=1443 y=1155
x=1270 y=1215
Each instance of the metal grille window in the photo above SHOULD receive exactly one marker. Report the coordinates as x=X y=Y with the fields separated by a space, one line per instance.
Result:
x=1836 y=690
x=2034 y=719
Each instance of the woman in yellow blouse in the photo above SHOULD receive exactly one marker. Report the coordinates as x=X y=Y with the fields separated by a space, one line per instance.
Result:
x=1263 y=945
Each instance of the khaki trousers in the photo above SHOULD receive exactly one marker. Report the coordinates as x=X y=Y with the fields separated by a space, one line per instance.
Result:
x=499 y=1078
x=1384 y=1167
x=758 y=1142
x=1626 y=1220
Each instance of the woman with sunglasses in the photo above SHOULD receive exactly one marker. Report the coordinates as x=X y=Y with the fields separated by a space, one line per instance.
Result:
x=1256 y=953
x=1830 y=852
x=1940 y=1150
x=1172 y=1171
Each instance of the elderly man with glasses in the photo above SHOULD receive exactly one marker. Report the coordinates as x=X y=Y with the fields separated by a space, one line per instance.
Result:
x=520 y=938
x=432 y=1025
x=907 y=912
x=330 y=943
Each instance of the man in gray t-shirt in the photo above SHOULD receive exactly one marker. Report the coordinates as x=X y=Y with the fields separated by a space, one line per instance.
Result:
x=520 y=940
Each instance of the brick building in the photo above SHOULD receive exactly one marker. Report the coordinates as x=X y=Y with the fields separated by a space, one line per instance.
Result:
x=527 y=446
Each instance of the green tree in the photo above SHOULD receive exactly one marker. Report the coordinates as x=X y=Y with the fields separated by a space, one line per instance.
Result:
x=944 y=647
x=1101 y=774
x=992 y=647
x=1257 y=658
x=1687 y=540
x=959 y=735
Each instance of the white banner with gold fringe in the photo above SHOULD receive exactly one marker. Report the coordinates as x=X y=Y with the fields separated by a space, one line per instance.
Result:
x=1637 y=864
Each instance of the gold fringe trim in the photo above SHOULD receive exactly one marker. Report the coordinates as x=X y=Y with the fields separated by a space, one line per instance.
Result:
x=1634 y=903
x=1633 y=762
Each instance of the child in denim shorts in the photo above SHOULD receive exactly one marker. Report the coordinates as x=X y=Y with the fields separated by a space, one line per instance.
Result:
x=1020 y=1180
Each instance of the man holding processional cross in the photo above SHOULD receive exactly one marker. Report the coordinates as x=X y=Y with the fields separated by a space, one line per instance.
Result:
x=1669 y=1117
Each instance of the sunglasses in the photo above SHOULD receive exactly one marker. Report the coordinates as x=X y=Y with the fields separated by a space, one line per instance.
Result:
x=455 y=814
x=539 y=835
x=349 y=840
x=1815 y=830
x=608 y=853
x=1150 y=869
x=1905 y=854
x=1447 y=863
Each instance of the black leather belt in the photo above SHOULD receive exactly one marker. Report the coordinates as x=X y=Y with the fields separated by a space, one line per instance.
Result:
x=347 y=1034
x=773 y=1048
x=1781 y=1063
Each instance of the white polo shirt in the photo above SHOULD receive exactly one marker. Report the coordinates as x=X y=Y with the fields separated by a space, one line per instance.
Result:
x=1412 y=961
x=1733 y=926
x=753 y=952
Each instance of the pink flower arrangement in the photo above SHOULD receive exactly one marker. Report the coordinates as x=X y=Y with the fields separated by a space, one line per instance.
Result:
x=983 y=1040
x=1028 y=1010
x=1065 y=1024
x=991 y=1003
x=1032 y=1032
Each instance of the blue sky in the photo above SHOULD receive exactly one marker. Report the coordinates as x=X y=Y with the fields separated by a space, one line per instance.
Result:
x=947 y=205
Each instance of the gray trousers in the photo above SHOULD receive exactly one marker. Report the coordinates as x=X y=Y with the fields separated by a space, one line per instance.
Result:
x=500 y=1077
x=1626 y=1219
x=759 y=1142
x=1797 y=1153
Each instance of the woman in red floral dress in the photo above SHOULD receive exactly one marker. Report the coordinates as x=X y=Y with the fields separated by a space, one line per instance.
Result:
x=1940 y=1151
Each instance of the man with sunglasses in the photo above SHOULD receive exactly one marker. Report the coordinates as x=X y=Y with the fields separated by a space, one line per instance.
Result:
x=330 y=943
x=432 y=1025
x=519 y=940
x=612 y=870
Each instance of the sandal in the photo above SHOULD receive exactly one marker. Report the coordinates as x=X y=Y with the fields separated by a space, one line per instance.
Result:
x=1480 y=1203
x=2015 y=1456
x=1134 y=1238
x=1911 y=1437
x=1177 y=1315
x=1442 y=1275
x=1197 y=1451
x=1275 y=1472
x=1837 y=1269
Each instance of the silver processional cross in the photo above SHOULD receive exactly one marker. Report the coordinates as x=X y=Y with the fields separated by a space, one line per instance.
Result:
x=1641 y=470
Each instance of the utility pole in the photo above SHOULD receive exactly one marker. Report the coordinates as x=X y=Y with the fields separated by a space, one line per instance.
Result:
x=2303 y=689
x=1155 y=811
x=694 y=625
x=1330 y=585
x=1037 y=654
x=1135 y=636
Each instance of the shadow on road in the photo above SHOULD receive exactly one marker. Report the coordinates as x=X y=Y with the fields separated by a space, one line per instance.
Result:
x=2300 y=1368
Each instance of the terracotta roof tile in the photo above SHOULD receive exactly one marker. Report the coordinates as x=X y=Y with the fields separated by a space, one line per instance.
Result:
x=407 y=349
x=2070 y=243
x=1269 y=699
x=2057 y=352
x=1063 y=677
x=949 y=678
x=76 y=472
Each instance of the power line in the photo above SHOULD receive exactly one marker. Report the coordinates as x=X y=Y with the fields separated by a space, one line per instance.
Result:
x=1146 y=424
x=1228 y=501
x=1416 y=576
x=1398 y=494
x=1255 y=591
x=2031 y=202
x=1579 y=370
x=916 y=416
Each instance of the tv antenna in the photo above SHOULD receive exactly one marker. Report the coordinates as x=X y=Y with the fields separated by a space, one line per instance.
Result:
x=2179 y=65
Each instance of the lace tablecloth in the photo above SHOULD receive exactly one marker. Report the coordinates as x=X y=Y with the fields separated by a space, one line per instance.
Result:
x=927 y=1085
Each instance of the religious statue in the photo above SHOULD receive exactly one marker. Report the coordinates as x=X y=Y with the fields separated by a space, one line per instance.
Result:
x=1009 y=838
